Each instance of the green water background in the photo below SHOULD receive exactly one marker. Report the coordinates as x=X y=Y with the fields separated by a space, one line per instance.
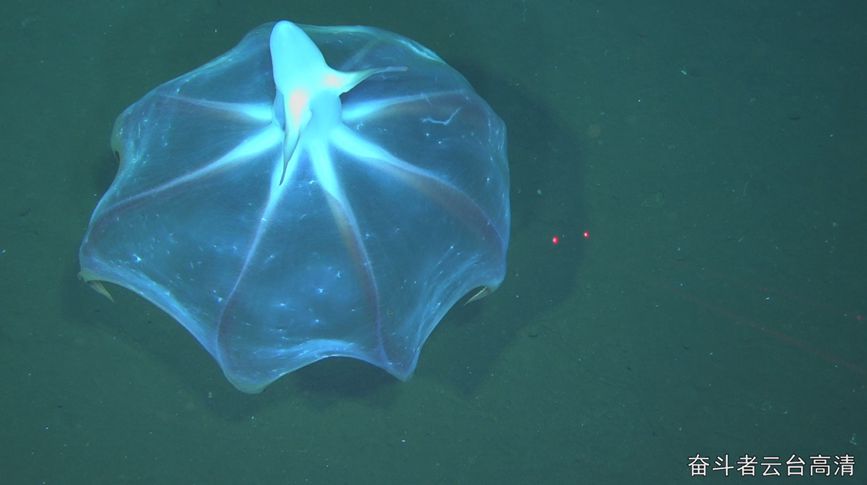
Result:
x=715 y=151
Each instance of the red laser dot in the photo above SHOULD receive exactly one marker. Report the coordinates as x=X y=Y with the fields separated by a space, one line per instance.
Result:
x=586 y=234
x=555 y=240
